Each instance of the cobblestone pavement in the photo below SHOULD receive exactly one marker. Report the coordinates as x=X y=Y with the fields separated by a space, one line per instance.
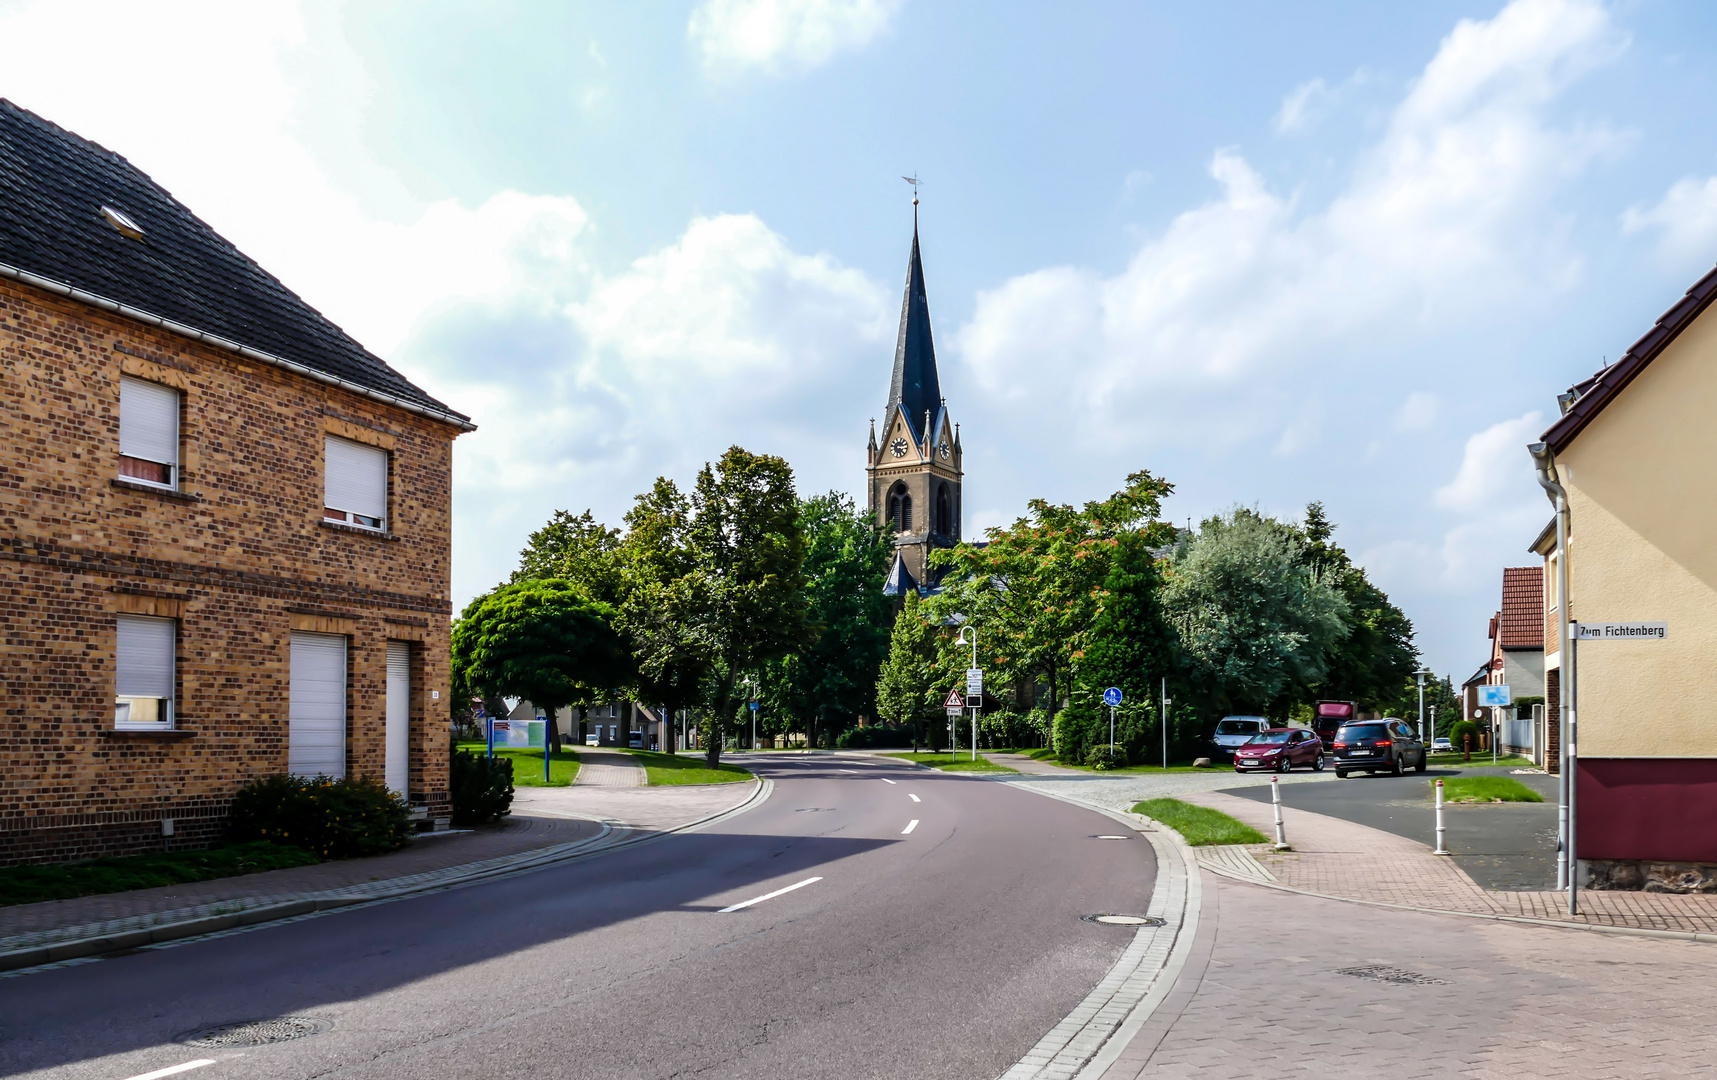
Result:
x=608 y=768
x=543 y=818
x=1340 y=858
x=1121 y=792
x=1282 y=985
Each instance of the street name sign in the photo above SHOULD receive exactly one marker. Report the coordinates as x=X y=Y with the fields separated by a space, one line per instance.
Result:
x=1496 y=697
x=1112 y=696
x=1621 y=631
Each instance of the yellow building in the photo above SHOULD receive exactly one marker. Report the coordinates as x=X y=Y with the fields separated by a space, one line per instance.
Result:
x=1633 y=452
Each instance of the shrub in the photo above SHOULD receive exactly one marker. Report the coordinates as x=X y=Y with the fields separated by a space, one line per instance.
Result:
x=482 y=788
x=1101 y=759
x=873 y=738
x=1461 y=728
x=333 y=819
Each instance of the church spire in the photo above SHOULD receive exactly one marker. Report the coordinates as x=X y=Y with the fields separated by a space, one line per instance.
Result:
x=915 y=385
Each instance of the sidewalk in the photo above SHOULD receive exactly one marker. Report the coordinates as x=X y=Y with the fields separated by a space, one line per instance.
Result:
x=608 y=768
x=547 y=824
x=1340 y=859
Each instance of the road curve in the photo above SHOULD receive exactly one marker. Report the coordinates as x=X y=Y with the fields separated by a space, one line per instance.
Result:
x=819 y=935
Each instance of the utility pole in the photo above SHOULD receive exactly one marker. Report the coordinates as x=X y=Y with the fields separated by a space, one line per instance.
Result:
x=1421 y=674
x=1165 y=697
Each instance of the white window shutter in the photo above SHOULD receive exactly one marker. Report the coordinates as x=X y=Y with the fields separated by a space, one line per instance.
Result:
x=149 y=421
x=356 y=478
x=145 y=668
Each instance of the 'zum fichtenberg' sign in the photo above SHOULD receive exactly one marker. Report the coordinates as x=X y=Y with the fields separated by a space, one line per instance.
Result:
x=1621 y=631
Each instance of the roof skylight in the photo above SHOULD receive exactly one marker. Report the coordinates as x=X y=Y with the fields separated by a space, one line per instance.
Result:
x=122 y=221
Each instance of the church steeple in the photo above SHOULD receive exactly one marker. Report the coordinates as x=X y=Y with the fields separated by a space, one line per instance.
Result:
x=915 y=384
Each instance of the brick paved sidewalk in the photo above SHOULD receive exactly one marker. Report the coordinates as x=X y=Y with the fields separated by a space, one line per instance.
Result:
x=544 y=820
x=1332 y=857
x=608 y=768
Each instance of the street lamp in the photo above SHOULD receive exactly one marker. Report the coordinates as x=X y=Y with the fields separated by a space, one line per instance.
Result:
x=1165 y=697
x=752 y=690
x=973 y=642
x=1422 y=673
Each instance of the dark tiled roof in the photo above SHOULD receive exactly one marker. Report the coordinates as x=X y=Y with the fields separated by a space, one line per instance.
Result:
x=914 y=385
x=1523 y=607
x=1597 y=392
x=900 y=579
x=53 y=185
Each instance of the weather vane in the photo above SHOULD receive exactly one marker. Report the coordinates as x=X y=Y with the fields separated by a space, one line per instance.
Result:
x=914 y=181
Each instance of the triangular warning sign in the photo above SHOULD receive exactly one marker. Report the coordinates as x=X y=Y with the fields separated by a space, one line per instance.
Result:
x=955 y=701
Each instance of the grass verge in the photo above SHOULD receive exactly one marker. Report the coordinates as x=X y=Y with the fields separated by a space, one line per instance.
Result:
x=33 y=884
x=667 y=769
x=1485 y=789
x=1200 y=825
x=528 y=764
x=959 y=763
x=1479 y=761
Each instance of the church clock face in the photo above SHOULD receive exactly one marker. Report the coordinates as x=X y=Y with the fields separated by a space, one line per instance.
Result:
x=944 y=451
x=898 y=447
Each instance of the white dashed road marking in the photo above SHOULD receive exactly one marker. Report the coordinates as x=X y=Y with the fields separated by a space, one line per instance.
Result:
x=913 y=797
x=886 y=780
x=910 y=825
x=723 y=911
x=173 y=1070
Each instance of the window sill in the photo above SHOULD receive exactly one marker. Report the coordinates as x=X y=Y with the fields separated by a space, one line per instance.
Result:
x=374 y=534
x=154 y=489
x=168 y=734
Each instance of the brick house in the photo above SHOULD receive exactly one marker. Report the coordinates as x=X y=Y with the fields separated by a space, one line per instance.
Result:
x=1517 y=654
x=226 y=525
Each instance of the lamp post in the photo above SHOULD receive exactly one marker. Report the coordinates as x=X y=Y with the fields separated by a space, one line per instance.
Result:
x=1165 y=697
x=1422 y=673
x=751 y=690
x=973 y=642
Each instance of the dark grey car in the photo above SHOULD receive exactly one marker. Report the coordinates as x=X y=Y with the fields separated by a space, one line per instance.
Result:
x=1387 y=745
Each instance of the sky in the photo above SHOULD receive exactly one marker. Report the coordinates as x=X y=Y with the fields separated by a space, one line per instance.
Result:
x=1345 y=252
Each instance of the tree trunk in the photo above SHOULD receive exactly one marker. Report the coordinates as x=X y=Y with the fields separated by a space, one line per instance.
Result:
x=553 y=728
x=720 y=720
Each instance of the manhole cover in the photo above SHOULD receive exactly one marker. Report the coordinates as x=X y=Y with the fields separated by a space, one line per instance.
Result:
x=1385 y=973
x=1094 y=837
x=258 y=1032
x=1123 y=920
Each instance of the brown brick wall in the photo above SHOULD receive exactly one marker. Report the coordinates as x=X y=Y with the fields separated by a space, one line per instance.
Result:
x=1553 y=720
x=240 y=561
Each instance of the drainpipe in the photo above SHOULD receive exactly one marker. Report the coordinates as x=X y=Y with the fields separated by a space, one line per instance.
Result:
x=1567 y=869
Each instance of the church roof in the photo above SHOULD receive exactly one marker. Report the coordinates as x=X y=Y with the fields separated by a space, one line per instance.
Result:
x=915 y=386
x=900 y=580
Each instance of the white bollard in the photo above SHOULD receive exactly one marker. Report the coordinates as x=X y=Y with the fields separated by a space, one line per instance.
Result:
x=1276 y=802
x=1442 y=849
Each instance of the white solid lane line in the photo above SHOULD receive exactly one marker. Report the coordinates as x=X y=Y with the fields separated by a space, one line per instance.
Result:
x=913 y=797
x=886 y=780
x=754 y=900
x=173 y=1070
x=910 y=825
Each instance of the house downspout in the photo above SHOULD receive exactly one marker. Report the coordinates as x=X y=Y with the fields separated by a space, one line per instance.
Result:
x=1566 y=870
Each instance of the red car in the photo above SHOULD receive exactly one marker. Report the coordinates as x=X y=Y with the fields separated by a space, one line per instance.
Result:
x=1280 y=749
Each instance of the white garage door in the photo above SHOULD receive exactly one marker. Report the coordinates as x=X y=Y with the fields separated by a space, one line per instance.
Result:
x=316 y=740
x=399 y=716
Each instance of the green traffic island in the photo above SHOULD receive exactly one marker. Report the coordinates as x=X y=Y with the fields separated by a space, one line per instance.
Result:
x=1479 y=761
x=1486 y=789
x=662 y=770
x=1200 y=825
x=1047 y=756
x=528 y=764
x=960 y=762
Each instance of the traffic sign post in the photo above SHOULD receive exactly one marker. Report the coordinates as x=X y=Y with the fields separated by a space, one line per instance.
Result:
x=1112 y=698
x=1495 y=697
x=974 y=686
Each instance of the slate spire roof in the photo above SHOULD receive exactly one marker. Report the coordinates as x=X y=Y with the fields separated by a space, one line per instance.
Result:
x=915 y=385
x=53 y=234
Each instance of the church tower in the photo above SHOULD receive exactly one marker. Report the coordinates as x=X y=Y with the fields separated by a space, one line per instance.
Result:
x=914 y=467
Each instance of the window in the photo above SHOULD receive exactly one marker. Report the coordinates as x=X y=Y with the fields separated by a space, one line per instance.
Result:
x=355 y=484
x=944 y=512
x=148 y=432
x=143 y=679
x=900 y=509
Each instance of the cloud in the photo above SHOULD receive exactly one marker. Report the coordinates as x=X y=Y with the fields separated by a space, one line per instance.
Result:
x=1419 y=412
x=779 y=35
x=1685 y=219
x=1492 y=466
x=1299 y=104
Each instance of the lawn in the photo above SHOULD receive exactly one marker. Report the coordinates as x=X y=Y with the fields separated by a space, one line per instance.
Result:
x=1479 y=761
x=1048 y=757
x=664 y=769
x=528 y=764
x=1200 y=825
x=32 y=884
x=961 y=762
x=1486 y=789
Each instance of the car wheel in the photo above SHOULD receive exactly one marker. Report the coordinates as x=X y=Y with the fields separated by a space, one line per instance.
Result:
x=1341 y=774
x=1395 y=768
x=1318 y=763
x=1423 y=764
x=1284 y=763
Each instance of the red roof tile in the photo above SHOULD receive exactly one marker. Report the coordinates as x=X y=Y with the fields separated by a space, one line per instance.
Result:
x=1523 y=607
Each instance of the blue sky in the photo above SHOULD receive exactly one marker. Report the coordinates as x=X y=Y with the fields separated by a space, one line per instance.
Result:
x=1275 y=253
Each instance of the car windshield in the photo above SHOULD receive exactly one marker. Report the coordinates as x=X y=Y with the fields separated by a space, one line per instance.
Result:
x=1267 y=738
x=1364 y=731
x=1236 y=727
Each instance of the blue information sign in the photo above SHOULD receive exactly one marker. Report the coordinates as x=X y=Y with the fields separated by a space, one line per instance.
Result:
x=1112 y=696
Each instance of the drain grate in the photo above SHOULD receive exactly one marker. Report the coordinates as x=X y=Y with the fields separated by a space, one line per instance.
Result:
x=258 y=1032
x=1123 y=920
x=1385 y=973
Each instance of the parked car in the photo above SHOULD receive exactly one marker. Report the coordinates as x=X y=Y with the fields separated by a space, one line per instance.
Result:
x=1386 y=745
x=592 y=739
x=1233 y=732
x=1329 y=716
x=1281 y=749
x=636 y=741
x=1442 y=745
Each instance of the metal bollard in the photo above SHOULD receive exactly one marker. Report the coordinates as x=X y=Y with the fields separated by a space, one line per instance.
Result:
x=1276 y=801
x=1442 y=848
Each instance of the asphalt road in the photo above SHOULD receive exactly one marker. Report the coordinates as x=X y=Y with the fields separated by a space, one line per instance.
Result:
x=1499 y=845
x=944 y=952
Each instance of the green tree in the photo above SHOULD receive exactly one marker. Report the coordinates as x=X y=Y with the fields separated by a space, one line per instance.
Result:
x=1255 y=622
x=833 y=681
x=1370 y=662
x=541 y=640
x=577 y=549
x=658 y=588
x=912 y=674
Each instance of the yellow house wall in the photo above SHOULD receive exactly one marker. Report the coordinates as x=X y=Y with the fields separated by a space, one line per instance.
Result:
x=1640 y=480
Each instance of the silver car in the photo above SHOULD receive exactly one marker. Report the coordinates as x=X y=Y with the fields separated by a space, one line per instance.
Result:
x=1233 y=732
